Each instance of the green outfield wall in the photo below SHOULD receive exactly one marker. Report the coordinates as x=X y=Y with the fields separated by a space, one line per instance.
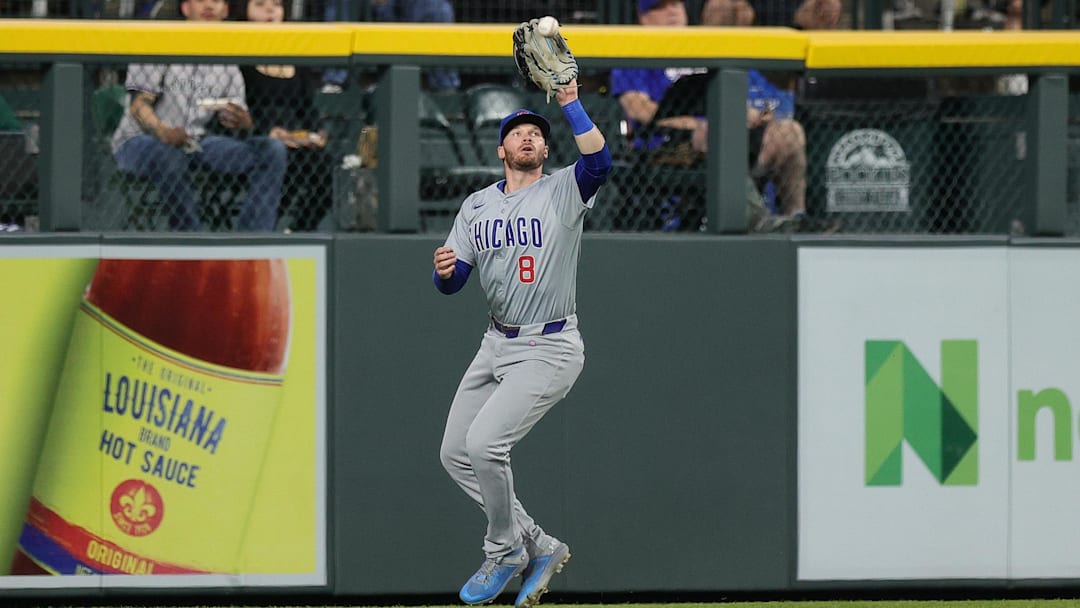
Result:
x=688 y=458
x=675 y=444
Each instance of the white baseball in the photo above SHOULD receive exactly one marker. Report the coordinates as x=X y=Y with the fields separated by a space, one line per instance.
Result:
x=547 y=26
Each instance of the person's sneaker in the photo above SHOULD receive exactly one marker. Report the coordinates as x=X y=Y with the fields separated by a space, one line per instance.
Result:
x=545 y=561
x=493 y=576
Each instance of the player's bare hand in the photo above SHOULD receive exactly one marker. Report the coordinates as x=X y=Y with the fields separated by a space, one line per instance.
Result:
x=445 y=258
x=569 y=93
x=173 y=136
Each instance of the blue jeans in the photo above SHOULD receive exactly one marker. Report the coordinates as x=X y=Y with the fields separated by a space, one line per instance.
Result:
x=261 y=159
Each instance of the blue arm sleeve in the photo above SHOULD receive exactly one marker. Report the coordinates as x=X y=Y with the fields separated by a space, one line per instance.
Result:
x=456 y=280
x=591 y=170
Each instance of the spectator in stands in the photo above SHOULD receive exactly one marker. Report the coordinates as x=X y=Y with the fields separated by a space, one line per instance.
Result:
x=800 y=14
x=282 y=104
x=147 y=9
x=334 y=79
x=166 y=131
x=727 y=12
x=777 y=140
x=421 y=11
x=403 y=11
x=777 y=146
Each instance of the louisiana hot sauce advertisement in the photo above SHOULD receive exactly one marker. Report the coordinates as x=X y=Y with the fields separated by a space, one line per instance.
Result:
x=181 y=440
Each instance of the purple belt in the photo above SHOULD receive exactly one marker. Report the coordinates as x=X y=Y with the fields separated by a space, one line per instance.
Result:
x=510 y=331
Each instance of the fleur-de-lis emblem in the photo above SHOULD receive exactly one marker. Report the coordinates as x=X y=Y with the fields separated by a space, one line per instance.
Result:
x=137 y=506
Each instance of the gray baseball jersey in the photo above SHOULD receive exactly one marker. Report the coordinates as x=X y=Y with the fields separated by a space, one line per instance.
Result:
x=525 y=247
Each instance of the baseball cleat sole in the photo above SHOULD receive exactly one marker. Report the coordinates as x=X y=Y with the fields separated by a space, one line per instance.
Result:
x=533 y=598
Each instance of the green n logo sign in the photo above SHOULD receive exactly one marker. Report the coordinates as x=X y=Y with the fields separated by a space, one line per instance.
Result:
x=940 y=423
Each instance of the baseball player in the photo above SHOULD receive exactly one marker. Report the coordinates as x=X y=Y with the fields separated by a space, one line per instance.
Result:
x=522 y=235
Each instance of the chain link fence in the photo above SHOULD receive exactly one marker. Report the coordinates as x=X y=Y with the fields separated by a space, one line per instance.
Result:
x=867 y=155
x=915 y=157
x=925 y=159
x=1072 y=168
x=880 y=155
x=277 y=173
x=459 y=133
x=19 y=133
x=900 y=156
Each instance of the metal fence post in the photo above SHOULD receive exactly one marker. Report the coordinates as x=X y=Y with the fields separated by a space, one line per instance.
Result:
x=60 y=168
x=725 y=163
x=1032 y=15
x=872 y=17
x=398 y=175
x=1048 y=108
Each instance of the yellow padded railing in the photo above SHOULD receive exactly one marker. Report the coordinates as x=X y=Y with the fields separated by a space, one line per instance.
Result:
x=935 y=49
x=63 y=36
x=817 y=50
x=607 y=41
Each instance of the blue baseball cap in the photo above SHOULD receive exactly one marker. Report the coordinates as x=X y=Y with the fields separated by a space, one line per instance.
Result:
x=517 y=117
x=644 y=6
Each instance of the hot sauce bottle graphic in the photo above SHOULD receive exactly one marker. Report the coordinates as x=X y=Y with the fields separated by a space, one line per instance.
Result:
x=161 y=419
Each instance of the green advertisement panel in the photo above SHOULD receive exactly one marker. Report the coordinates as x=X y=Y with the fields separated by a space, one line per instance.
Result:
x=162 y=412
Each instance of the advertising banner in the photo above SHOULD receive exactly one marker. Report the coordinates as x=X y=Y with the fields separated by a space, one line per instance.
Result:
x=937 y=434
x=903 y=413
x=1044 y=293
x=163 y=416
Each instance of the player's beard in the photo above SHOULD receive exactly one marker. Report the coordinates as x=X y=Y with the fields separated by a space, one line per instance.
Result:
x=519 y=162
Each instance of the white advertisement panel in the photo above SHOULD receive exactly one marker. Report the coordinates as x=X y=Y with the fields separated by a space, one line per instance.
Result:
x=1044 y=296
x=903 y=413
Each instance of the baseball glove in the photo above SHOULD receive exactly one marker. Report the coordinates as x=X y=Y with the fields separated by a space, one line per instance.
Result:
x=547 y=62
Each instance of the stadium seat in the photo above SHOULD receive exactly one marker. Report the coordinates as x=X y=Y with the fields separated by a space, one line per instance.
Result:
x=486 y=105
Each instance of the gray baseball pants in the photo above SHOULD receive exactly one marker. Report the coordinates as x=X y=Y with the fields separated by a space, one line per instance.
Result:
x=507 y=389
